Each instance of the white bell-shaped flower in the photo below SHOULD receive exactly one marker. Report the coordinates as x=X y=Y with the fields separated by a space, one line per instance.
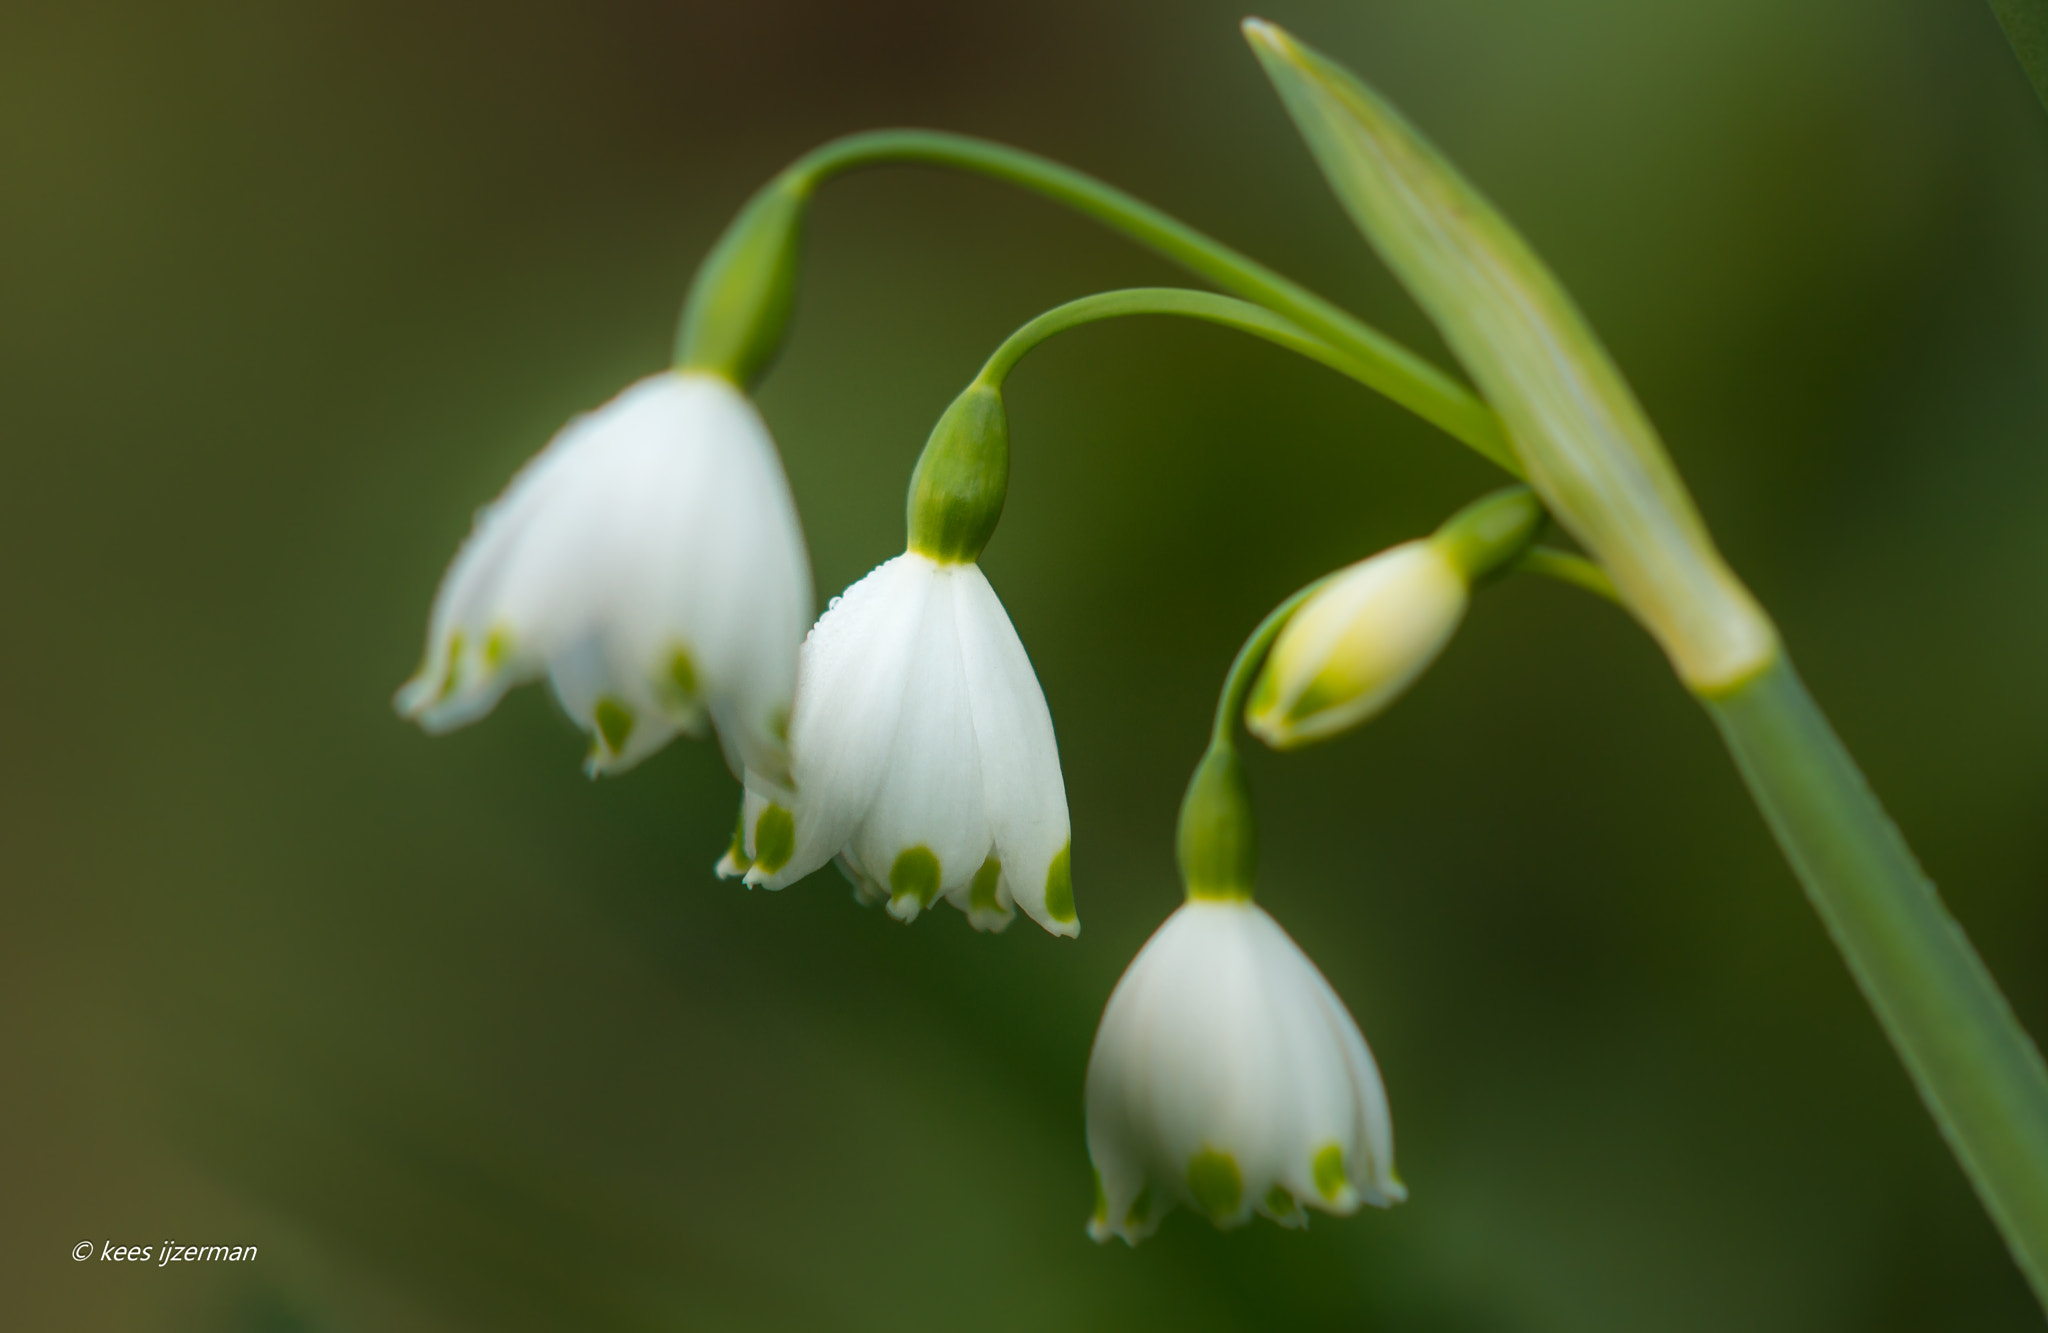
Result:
x=1229 y=1077
x=650 y=563
x=923 y=755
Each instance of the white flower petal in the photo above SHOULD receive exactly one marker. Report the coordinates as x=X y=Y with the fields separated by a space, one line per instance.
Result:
x=649 y=560
x=1020 y=759
x=986 y=898
x=927 y=829
x=851 y=681
x=739 y=853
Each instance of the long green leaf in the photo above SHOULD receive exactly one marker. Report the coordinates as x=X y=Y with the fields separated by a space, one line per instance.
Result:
x=1592 y=454
x=1586 y=445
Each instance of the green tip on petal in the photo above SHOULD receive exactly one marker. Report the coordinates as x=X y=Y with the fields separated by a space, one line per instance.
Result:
x=614 y=723
x=981 y=895
x=453 y=676
x=682 y=674
x=1059 y=886
x=1140 y=1211
x=497 y=647
x=1216 y=1184
x=915 y=874
x=737 y=853
x=1281 y=1204
x=1329 y=1171
x=774 y=839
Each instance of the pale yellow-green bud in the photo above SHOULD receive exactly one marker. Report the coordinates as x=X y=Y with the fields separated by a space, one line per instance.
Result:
x=1357 y=643
x=1365 y=635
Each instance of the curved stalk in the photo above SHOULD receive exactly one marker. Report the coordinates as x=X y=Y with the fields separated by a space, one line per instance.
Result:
x=1979 y=1075
x=1245 y=666
x=1225 y=311
x=1566 y=567
x=1380 y=362
x=1217 y=840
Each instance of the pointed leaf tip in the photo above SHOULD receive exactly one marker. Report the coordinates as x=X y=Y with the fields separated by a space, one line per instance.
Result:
x=1269 y=39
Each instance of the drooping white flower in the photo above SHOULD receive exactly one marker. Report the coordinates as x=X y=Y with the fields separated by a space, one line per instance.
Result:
x=1229 y=1077
x=649 y=562
x=1357 y=643
x=923 y=755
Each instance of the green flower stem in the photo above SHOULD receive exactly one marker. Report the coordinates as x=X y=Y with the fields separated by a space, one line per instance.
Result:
x=1217 y=843
x=1244 y=668
x=1566 y=567
x=1981 y=1077
x=1207 y=306
x=1379 y=361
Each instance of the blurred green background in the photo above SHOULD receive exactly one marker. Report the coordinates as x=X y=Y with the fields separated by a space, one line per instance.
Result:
x=464 y=1041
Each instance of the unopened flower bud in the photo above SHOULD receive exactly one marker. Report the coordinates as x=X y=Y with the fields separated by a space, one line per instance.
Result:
x=1366 y=634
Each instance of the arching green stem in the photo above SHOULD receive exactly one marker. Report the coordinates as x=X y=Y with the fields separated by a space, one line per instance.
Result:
x=962 y=477
x=1376 y=359
x=1217 y=842
x=1227 y=311
x=1568 y=568
x=1244 y=668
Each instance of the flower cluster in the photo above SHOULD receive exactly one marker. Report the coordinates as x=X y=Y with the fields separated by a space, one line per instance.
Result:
x=650 y=565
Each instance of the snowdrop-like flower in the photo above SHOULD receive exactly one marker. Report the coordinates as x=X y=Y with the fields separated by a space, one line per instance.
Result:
x=649 y=563
x=924 y=757
x=1370 y=630
x=921 y=748
x=1228 y=1076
